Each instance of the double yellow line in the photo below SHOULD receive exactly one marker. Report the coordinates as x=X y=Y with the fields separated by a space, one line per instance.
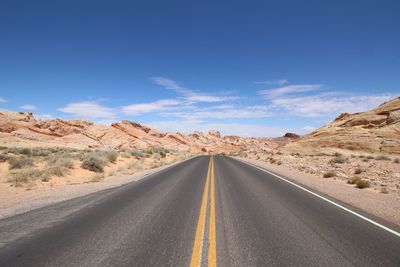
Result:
x=199 y=238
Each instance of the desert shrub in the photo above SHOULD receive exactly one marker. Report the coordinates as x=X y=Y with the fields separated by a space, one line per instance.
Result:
x=137 y=153
x=125 y=155
x=97 y=178
x=41 y=152
x=19 y=177
x=163 y=154
x=25 y=151
x=361 y=156
x=111 y=156
x=370 y=157
x=354 y=180
x=59 y=166
x=329 y=174
x=396 y=160
x=279 y=163
x=382 y=158
x=272 y=160
x=358 y=170
x=93 y=163
x=337 y=154
x=365 y=160
x=5 y=157
x=362 y=184
x=18 y=163
x=135 y=165
x=338 y=159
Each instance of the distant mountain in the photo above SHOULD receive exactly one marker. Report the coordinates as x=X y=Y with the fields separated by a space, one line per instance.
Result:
x=23 y=129
x=377 y=130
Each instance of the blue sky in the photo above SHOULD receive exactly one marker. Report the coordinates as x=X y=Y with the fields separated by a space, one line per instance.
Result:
x=251 y=68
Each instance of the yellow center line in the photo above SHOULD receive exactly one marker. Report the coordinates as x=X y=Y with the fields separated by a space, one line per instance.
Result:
x=198 y=241
x=212 y=254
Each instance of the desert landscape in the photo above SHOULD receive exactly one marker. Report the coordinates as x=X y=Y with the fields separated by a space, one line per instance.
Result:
x=365 y=144
x=360 y=150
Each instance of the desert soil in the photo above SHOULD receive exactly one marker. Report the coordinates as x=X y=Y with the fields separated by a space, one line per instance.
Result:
x=16 y=200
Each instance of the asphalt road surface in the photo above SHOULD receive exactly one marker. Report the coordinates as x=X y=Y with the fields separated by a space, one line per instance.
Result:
x=206 y=211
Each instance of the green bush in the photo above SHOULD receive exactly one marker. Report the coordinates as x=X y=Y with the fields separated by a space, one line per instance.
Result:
x=362 y=184
x=329 y=174
x=354 y=180
x=93 y=163
x=18 y=163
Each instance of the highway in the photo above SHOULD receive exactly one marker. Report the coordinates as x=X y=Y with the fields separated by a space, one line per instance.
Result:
x=206 y=211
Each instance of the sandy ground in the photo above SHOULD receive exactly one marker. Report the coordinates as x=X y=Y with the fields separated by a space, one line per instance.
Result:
x=385 y=206
x=19 y=200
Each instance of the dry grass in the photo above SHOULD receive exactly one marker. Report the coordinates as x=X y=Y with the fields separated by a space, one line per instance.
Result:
x=20 y=177
x=98 y=177
x=21 y=162
x=354 y=180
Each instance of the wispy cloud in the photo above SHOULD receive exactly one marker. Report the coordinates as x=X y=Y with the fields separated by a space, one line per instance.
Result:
x=28 y=107
x=170 y=84
x=289 y=89
x=88 y=110
x=327 y=104
x=220 y=112
x=156 y=106
x=273 y=82
x=191 y=95
x=2 y=100
x=308 y=129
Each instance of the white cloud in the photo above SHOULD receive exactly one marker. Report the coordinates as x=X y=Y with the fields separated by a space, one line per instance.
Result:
x=191 y=95
x=220 y=112
x=28 y=107
x=209 y=98
x=327 y=104
x=88 y=109
x=308 y=129
x=170 y=84
x=156 y=106
x=290 y=89
x=2 y=100
x=273 y=82
x=246 y=130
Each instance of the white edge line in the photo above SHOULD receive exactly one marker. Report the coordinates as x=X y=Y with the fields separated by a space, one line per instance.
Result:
x=323 y=198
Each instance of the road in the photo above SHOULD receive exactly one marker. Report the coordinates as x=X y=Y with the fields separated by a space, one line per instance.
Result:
x=203 y=211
